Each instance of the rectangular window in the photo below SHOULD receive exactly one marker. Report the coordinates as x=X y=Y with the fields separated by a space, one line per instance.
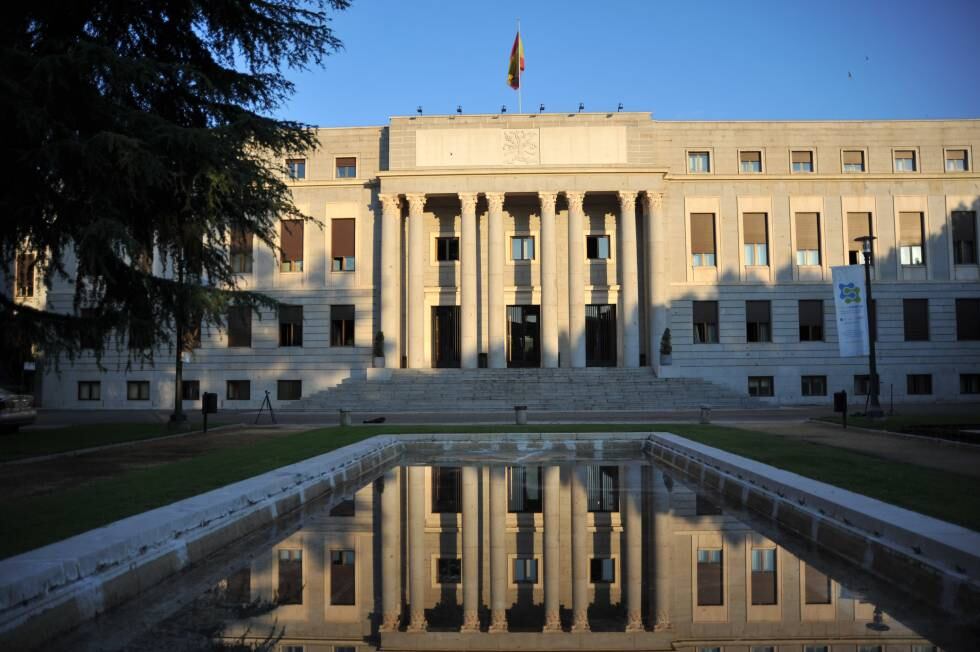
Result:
x=289 y=390
x=190 y=390
x=703 y=239
x=342 y=244
x=763 y=576
x=89 y=337
x=905 y=160
x=760 y=386
x=756 y=239
x=24 y=274
x=862 y=384
x=703 y=506
x=816 y=648
x=802 y=161
x=910 y=239
x=602 y=570
x=968 y=319
x=290 y=325
x=300 y=648
x=705 y=318
x=817 y=586
x=597 y=247
x=89 y=390
x=750 y=162
x=603 y=488
x=346 y=167
x=918 y=384
x=449 y=570
x=525 y=571
x=239 y=326
x=916 y=316
x=763 y=648
x=341 y=325
x=241 y=250
x=853 y=160
x=522 y=247
x=956 y=160
x=808 y=238
x=290 y=577
x=811 y=320
x=447 y=489
x=858 y=225
x=296 y=168
x=964 y=237
x=291 y=244
x=523 y=489
x=239 y=390
x=869 y=648
x=709 y=572
x=238 y=586
x=138 y=390
x=344 y=509
x=698 y=162
x=342 y=577
x=447 y=249
x=969 y=383
x=813 y=385
x=758 y=321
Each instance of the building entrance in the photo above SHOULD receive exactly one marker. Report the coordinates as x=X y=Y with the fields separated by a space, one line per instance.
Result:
x=600 y=335
x=445 y=336
x=523 y=336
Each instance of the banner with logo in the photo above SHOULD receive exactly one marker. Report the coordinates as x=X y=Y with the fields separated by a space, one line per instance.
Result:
x=850 y=299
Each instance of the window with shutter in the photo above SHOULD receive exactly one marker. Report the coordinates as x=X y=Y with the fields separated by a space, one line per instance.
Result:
x=342 y=325
x=709 y=577
x=524 y=489
x=811 y=320
x=968 y=319
x=817 y=586
x=705 y=319
x=758 y=325
x=853 y=160
x=763 y=576
x=756 y=239
x=910 y=238
x=916 y=317
x=905 y=160
x=807 y=238
x=750 y=162
x=290 y=325
x=964 y=237
x=956 y=160
x=603 y=488
x=296 y=168
x=290 y=590
x=239 y=326
x=241 y=250
x=703 y=239
x=802 y=161
x=291 y=244
x=342 y=577
x=858 y=225
x=447 y=488
x=346 y=167
x=342 y=244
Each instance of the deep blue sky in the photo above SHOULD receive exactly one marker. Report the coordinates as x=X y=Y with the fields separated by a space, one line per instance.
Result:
x=682 y=61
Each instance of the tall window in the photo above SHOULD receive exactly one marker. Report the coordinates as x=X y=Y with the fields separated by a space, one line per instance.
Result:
x=916 y=317
x=710 y=584
x=239 y=326
x=703 y=239
x=858 y=225
x=956 y=160
x=910 y=238
x=698 y=162
x=523 y=489
x=763 y=576
x=756 y=239
x=597 y=247
x=522 y=247
x=290 y=325
x=447 y=249
x=24 y=274
x=447 y=487
x=241 y=250
x=525 y=571
x=905 y=160
x=138 y=390
x=750 y=162
x=603 y=488
x=342 y=244
x=296 y=168
x=291 y=244
x=238 y=390
x=811 y=320
x=342 y=577
x=705 y=317
x=808 y=238
x=341 y=325
x=853 y=160
x=346 y=167
x=802 y=161
x=290 y=577
x=968 y=319
x=964 y=237
x=758 y=321
x=817 y=586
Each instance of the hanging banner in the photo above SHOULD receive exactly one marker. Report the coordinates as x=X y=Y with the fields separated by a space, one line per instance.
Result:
x=850 y=299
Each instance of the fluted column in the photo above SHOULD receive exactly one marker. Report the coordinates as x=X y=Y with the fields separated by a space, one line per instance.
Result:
x=471 y=548
x=416 y=281
x=495 y=281
x=576 y=278
x=391 y=278
x=633 y=517
x=580 y=550
x=552 y=561
x=549 y=281
x=661 y=537
x=391 y=550
x=657 y=270
x=418 y=570
x=629 y=274
x=467 y=274
x=498 y=549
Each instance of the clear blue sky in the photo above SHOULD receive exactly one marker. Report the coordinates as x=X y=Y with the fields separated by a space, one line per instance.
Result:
x=693 y=60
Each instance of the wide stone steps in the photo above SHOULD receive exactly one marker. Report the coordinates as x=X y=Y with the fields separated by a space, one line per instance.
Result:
x=463 y=390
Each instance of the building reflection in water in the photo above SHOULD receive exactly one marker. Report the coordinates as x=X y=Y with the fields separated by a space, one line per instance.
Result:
x=612 y=552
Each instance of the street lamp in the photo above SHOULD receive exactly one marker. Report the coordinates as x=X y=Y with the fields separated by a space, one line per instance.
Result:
x=874 y=407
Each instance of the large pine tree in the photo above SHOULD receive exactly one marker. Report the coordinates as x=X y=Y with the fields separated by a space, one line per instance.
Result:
x=134 y=127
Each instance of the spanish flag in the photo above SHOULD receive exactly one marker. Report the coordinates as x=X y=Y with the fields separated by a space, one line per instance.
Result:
x=516 y=63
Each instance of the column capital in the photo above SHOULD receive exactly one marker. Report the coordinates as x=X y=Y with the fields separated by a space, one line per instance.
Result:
x=467 y=200
x=627 y=199
x=495 y=201
x=416 y=202
x=575 y=199
x=548 y=197
x=655 y=200
x=390 y=202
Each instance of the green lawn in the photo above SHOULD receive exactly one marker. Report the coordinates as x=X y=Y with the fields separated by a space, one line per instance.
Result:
x=36 y=521
x=932 y=425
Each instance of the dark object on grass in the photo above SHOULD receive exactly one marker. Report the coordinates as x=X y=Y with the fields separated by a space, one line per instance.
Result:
x=374 y=420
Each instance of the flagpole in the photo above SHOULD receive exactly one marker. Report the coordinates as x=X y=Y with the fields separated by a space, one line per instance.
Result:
x=520 y=46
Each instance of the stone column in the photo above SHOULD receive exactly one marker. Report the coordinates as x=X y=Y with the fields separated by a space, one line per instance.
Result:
x=629 y=279
x=656 y=231
x=391 y=551
x=576 y=278
x=467 y=274
x=662 y=538
x=549 y=281
x=633 y=517
x=391 y=278
x=552 y=560
x=495 y=281
x=580 y=550
x=416 y=281
x=471 y=549
x=419 y=564
x=498 y=549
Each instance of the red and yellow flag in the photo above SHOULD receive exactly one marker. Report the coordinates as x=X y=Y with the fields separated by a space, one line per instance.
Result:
x=516 y=63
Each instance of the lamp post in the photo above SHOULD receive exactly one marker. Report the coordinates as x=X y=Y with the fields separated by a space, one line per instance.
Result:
x=874 y=407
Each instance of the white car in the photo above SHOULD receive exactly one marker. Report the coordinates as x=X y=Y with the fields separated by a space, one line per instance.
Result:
x=16 y=410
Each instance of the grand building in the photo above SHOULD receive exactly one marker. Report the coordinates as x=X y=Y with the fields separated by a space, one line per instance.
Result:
x=574 y=240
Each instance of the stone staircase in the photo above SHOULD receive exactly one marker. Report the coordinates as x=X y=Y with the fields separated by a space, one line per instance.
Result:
x=473 y=390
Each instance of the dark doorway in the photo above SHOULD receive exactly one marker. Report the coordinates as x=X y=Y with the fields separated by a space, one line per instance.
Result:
x=523 y=336
x=600 y=335
x=445 y=336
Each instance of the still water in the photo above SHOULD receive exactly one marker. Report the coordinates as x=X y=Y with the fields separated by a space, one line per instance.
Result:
x=613 y=556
